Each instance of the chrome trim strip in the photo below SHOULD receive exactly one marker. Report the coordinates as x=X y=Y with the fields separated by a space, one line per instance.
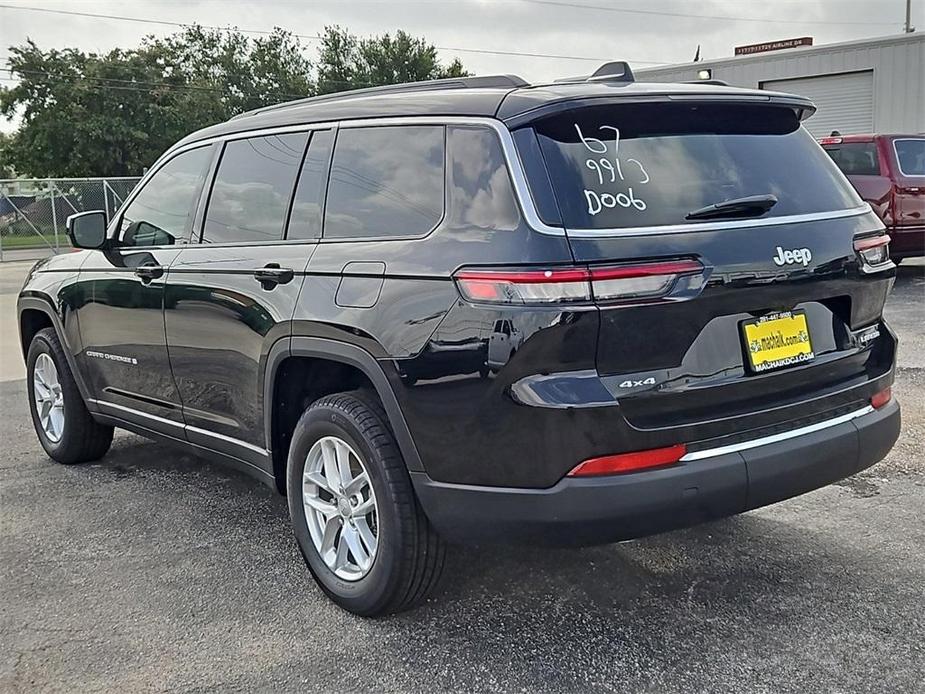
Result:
x=775 y=438
x=718 y=226
x=227 y=439
x=516 y=170
x=103 y=404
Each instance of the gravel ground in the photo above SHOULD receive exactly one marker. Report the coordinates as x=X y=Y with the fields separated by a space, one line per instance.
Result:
x=156 y=571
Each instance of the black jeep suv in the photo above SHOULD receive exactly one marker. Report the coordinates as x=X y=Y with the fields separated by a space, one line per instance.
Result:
x=481 y=310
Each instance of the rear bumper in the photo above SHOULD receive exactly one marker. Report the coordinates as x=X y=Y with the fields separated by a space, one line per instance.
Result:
x=720 y=483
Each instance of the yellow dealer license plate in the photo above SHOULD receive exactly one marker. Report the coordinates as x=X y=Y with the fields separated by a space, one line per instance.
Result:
x=777 y=340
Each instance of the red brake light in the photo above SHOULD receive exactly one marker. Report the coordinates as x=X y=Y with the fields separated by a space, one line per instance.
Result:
x=574 y=284
x=830 y=141
x=629 y=462
x=882 y=398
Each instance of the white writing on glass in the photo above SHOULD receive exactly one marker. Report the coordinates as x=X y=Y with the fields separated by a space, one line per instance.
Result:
x=608 y=170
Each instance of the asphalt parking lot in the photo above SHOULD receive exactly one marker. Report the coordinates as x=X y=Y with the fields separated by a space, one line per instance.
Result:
x=156 y=571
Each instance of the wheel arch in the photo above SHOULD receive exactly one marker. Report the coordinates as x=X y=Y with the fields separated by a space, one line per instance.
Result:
x=350 y=355
x=35 y=314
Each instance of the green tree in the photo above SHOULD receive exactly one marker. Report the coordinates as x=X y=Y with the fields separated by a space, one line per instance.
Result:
x=6 y=168
x=345 y=62
x=112 y=114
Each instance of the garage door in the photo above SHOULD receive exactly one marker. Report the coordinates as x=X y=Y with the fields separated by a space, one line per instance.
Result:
x=844 y=102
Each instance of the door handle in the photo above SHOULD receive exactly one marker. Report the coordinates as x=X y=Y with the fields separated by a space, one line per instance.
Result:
x=149 y=272
x=272 y=274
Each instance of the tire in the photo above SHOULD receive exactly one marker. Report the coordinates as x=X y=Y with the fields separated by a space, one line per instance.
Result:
x=408 y=560
x=75 y=437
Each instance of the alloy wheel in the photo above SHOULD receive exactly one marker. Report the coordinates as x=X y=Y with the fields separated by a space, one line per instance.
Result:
x=49 y=397
x=340 y=508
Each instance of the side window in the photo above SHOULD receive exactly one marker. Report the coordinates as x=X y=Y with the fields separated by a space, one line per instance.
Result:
x=162 y=211
x=480 y=191
x=305 y=219
x=252 y=189
x=385 y=182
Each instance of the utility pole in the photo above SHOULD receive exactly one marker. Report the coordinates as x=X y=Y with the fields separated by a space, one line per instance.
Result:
x=909 y=28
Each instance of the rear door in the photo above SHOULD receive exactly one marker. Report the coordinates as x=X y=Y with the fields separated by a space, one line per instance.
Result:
x=627 y=179
x=121 y=305
x=232 y=292
x=909 y=154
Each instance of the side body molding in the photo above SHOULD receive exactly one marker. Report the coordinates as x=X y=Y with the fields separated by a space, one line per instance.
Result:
x=36 y=303
x=321 y=348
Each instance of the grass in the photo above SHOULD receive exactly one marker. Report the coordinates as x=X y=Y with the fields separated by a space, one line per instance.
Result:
x=32 y=241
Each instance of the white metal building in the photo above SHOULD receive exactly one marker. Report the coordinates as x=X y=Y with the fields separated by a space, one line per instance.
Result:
x=873 y=85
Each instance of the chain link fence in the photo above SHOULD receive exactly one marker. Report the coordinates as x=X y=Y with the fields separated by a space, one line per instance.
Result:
x=33 y=210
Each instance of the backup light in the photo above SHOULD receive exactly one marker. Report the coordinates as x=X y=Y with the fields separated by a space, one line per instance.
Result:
x=873 y=250
x=629 y=462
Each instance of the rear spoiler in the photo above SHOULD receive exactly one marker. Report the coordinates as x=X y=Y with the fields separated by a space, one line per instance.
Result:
x=802 y=106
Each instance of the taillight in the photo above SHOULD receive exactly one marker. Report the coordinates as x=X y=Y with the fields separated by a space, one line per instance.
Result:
x=882 y=398
x=874 y=251
x=629 y=462
x=575 y=284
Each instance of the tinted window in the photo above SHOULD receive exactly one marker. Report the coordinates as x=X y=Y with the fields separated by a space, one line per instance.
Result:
x=855 y=158
x=385 y=181
x=651 y=164
x=911 y=156
x=252 y=189
x=162 y=211
x=480 y=190
x=305 y=219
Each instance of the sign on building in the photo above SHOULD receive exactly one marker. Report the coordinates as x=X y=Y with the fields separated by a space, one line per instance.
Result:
x=774 y=45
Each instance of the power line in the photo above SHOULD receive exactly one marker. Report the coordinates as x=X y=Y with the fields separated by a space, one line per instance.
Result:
x=140 y=85
x=311 y=37
x=622 y=10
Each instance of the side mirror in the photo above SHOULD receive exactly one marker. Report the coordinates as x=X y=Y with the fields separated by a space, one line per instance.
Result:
x=87 y=229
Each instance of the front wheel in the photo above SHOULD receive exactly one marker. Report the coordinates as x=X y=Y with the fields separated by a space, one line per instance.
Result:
x=65 y=427
x=354 y=513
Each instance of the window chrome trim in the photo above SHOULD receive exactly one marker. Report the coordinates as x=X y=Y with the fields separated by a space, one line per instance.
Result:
x=519 y=178
x=775 y=438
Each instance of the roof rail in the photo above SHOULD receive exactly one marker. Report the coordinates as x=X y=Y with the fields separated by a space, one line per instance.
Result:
x=615 y=71
x=482 y=82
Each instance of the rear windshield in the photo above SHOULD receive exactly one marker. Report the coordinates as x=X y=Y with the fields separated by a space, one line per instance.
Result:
x=855 y=158
x=910 y=153
x=651 y=164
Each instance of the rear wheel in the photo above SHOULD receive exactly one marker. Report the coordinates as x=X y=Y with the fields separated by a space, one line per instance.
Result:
x=354 y=512
x=65 y=428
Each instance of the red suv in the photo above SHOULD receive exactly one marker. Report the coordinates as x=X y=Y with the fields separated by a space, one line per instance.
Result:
x=889 y=173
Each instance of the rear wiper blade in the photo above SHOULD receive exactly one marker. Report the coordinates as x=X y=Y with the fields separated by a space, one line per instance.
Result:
x=750 y=206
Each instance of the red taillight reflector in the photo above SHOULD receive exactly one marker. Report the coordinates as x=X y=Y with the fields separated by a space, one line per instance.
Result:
x=882 y=398
x=629 y=462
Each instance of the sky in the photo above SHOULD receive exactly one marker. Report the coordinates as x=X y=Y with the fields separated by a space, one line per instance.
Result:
x=582 y=33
